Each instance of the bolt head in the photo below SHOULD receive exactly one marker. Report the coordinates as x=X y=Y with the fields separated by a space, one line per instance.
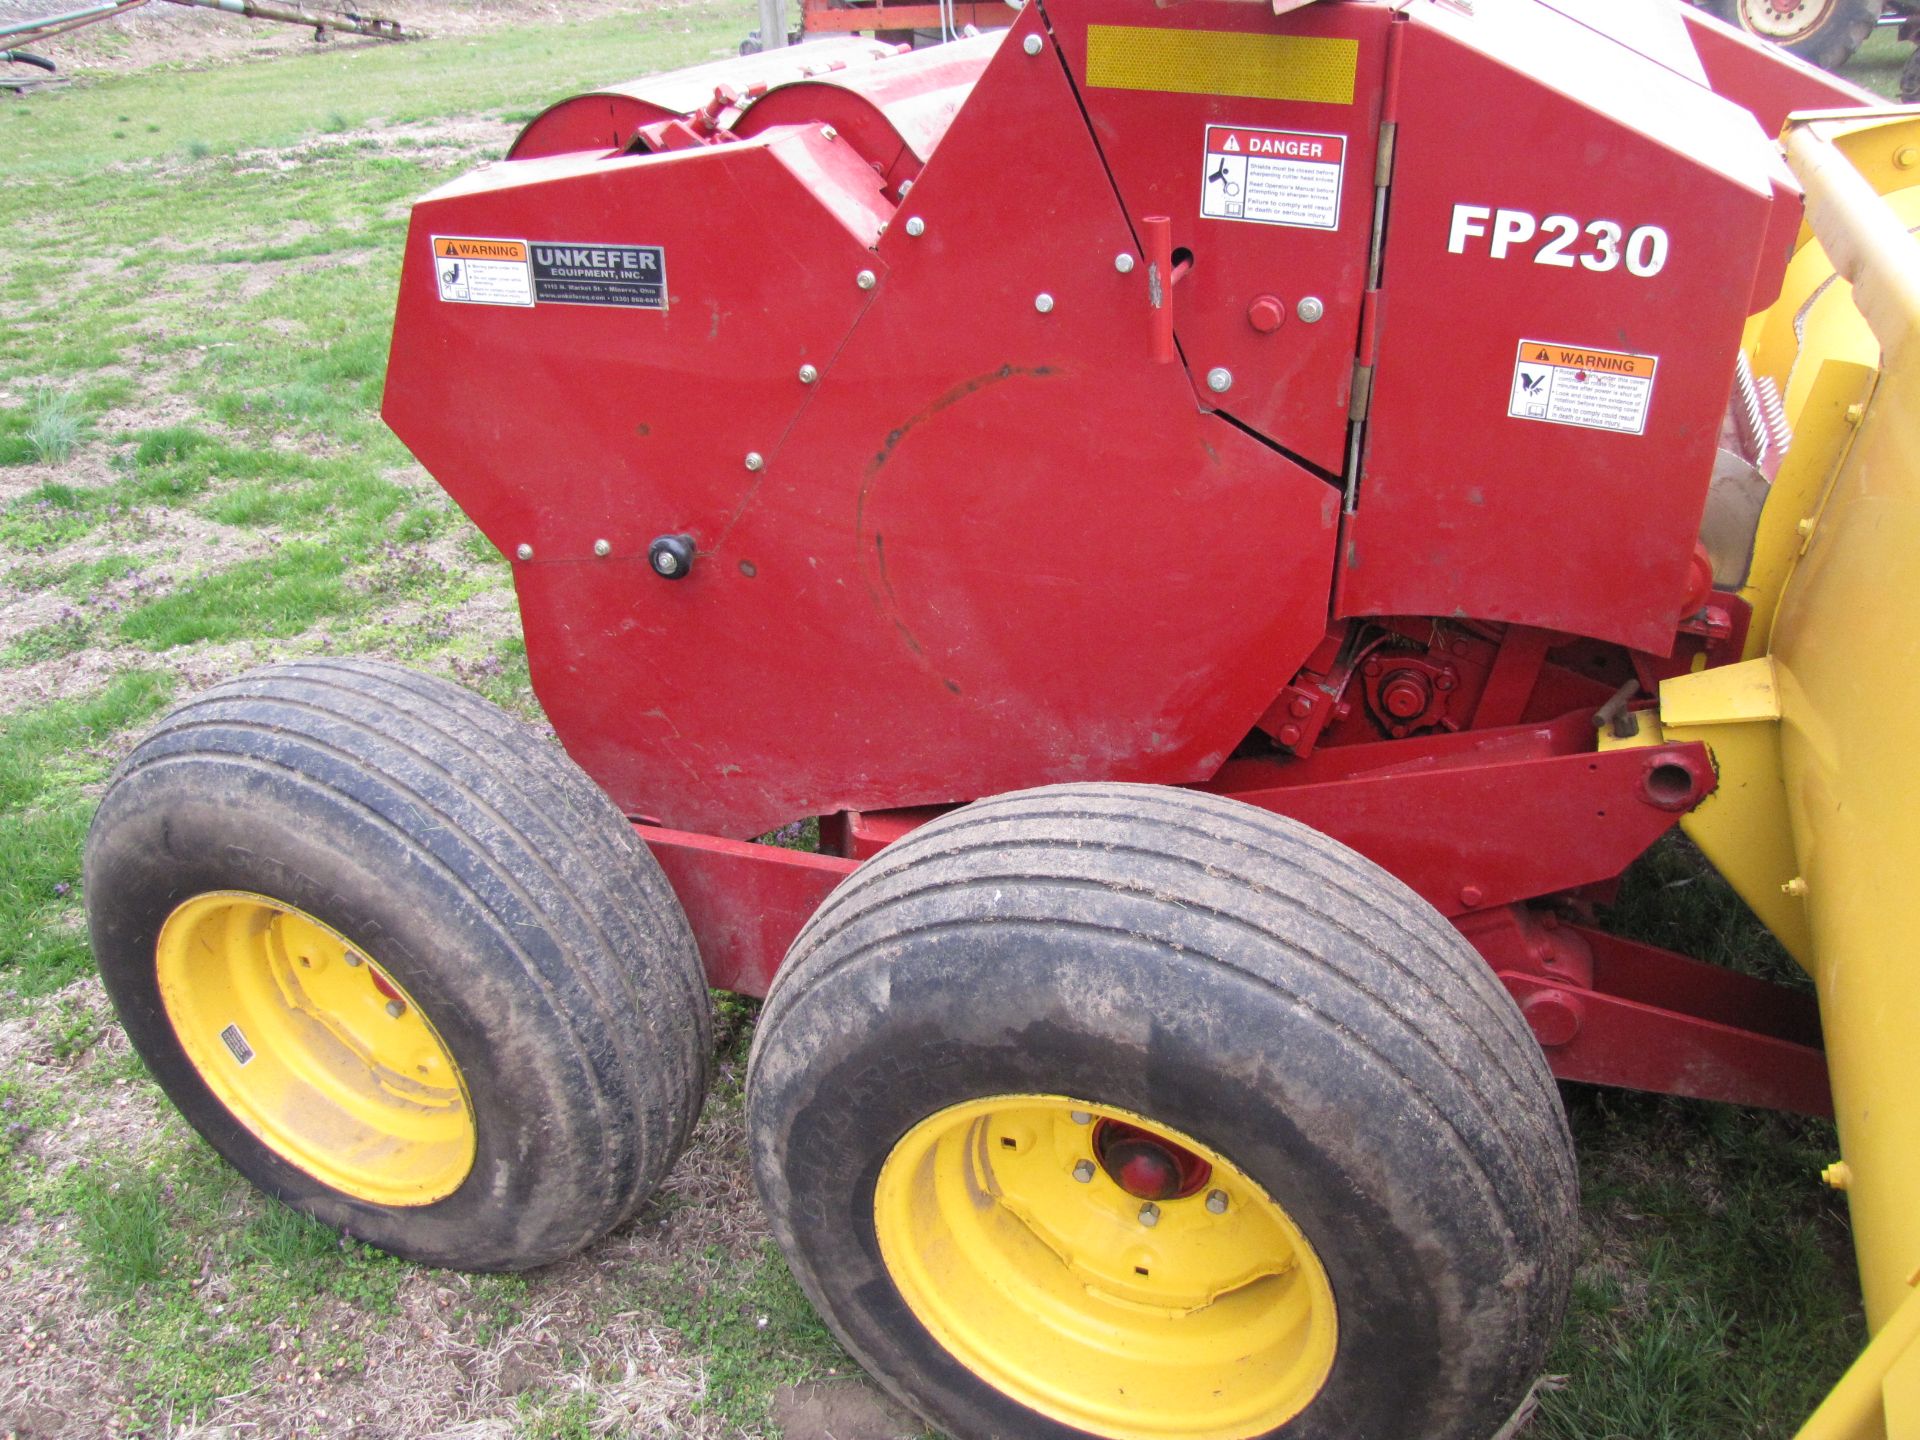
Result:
x=1080 y=1117
x=525 y=552
x=755 y=461
x=396 y=1009
x=1032 y=44
x=603 y=548
x=1123 y=263
x=1555 y=1018
x=866 y=280
x=665 y=563
x=827 y=132
x=1083 y=1171
x=1149 y=1214
x=1217 y=1202
x=1310 y=309
x=1043 y=302
x=916 y=226
x=352 y=959
x=1267 y=313
x=1301 y=707
x=1219 y=379
x=808 y=374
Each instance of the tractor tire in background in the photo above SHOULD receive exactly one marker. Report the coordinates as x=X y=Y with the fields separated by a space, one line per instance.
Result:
x=1821 y=32
x=1118 y=1110
x=400 y=962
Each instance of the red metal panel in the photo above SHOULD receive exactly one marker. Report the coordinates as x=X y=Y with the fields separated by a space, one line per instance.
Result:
x=1291 y=382
x=557 y=426
x=1563 y=122
x=1485 y=818
x=745 y=902
x=989 y=552
x=1764 y=78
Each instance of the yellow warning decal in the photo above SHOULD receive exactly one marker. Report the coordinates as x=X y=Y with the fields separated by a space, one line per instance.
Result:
x=1610 y=361
x=1583 y=386
x=1222 y=62
x=454 y=248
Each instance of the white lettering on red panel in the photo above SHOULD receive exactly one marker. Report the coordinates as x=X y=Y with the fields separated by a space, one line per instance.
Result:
x=1597 y=245
x=1273 y=177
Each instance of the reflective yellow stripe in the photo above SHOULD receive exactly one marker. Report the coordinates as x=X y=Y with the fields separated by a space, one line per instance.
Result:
x=1222 y=62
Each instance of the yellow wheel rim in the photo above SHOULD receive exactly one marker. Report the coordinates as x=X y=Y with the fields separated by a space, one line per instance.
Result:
x=1204 y=1317
x=315 y=1048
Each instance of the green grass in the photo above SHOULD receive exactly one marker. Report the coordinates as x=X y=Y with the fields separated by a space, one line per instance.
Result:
x=48 y=759
x=53 y=427
x=755 y=1330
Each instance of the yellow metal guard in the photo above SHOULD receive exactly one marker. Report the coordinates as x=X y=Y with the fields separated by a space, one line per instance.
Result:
x=1817 y=821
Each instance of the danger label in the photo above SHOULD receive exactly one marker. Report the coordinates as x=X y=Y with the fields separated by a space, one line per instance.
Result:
x=475 y=271
x=1273 y=177
x=1573 y=385
x=634 y=276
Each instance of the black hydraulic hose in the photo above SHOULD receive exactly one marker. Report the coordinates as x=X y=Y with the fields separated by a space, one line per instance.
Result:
x=26 y=57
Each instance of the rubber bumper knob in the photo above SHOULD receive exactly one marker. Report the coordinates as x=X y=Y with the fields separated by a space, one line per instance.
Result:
x=671 y=556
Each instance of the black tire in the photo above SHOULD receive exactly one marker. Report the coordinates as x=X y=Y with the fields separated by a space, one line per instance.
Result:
x=493 y=882
x=1828 y=36
x=1235 y=976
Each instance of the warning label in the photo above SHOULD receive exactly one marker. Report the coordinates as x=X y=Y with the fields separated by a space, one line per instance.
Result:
x=482 y=272
x=1573 y=385
x=1273 y=177
x=631 y=275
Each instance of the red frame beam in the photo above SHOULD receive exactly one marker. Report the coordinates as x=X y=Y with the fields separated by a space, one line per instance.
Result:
x=1485 y=817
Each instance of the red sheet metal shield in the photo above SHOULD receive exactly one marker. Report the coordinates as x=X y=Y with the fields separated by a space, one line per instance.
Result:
x=994 y=548
x=1257 y=138
x=1551 y=186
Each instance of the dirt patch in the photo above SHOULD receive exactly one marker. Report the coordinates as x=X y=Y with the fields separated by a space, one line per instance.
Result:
x=89 y=467
x=431 y=141
x=841 y=1410
x=192 y=39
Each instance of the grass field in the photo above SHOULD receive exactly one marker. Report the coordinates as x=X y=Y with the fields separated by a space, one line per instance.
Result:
x=196 y=274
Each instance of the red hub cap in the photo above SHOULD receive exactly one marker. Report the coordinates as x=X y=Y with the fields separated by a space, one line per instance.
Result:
x=1146 y=1166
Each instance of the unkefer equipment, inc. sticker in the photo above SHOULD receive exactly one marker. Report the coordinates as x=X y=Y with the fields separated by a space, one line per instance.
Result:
x=1579 y=385
x=569 y=274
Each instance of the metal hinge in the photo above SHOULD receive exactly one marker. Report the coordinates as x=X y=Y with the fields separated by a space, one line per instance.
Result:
x=1361 y=394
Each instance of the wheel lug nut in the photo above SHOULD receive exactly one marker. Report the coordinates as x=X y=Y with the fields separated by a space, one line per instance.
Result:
x=1149 y=1214
x=1083 y=1171
x=396 y=1009
x=1217 y=1201
x=1080 y=1117
x=352 y=959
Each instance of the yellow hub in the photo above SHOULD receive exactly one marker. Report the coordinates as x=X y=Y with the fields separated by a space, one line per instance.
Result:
x=315 y=1049
x=1204 y=1317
